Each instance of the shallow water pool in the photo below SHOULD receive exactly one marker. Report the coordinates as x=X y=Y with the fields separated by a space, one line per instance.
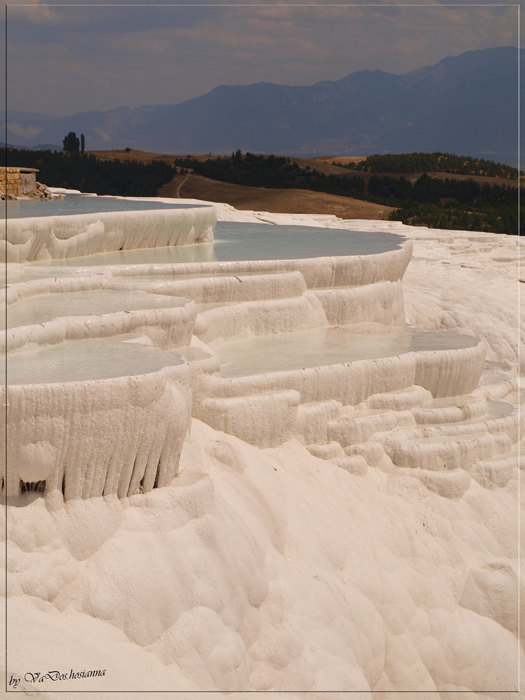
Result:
x=85 y=360
x=328 y=346
x=45 y=307
x=78 y=204
x=247 y=241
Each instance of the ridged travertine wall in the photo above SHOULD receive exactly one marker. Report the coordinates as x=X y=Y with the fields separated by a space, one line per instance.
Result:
x=94 y=438
x=350 y=270
x=444 y=373
x=259 y=318
x=381 y=301
x=170 y=327
x=166 y=328
x=58 y=237
x=230 y=289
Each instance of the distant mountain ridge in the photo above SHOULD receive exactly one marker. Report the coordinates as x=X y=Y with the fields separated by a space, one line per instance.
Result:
x=465 y=104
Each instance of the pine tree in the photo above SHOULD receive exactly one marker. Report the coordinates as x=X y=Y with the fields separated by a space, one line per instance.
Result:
x=71 y=143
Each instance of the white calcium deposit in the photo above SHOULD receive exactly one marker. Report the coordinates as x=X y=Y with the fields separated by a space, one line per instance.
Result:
x=309 y=496
x=71 y=236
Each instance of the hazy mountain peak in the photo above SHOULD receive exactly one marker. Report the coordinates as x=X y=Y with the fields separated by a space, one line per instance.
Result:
x=465 y=104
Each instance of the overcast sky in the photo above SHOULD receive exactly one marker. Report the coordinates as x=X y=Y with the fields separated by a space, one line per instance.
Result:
x=63 y=60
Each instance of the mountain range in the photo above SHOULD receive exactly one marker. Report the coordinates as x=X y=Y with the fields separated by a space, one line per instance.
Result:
x=466 y=104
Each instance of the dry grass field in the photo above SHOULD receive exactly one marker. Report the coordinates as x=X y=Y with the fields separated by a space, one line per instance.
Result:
x=140 y=156
x=286 y=201
x=344 y=160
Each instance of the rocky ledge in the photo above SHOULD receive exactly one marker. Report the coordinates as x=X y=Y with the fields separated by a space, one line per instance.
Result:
x=40 y=192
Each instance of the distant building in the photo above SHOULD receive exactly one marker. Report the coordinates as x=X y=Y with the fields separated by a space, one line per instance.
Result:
x=17 y=181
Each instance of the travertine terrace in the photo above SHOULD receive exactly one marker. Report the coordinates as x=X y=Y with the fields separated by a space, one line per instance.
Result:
x=303 y=469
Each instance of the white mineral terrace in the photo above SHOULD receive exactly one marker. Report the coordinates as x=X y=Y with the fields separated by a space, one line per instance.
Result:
x=284 y=458
x=98 y=228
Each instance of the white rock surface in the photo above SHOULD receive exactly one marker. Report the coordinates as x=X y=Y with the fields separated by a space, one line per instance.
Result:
x=274 y=566
x=71 y=236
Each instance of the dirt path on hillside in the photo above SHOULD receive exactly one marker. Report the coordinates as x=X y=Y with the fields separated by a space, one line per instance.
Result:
x=173 y=187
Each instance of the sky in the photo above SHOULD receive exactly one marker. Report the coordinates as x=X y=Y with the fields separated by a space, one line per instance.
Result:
x=86 y=56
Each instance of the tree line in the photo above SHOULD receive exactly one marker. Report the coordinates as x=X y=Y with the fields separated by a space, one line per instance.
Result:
x=433 y=163
x=451 y=204
x=85 y=172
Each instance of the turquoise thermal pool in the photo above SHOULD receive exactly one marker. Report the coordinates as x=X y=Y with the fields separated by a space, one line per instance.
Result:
x=45 y=307
x=327 y=346
x=78 y=204
x=86 y=360
x=248 y=241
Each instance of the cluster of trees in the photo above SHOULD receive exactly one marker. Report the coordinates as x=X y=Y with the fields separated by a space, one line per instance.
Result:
x=452 y=204
x=87 y=173
x=251 y=170
x=72 y=145
x=394 y=191
x=433 y=163
x=498 y=219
